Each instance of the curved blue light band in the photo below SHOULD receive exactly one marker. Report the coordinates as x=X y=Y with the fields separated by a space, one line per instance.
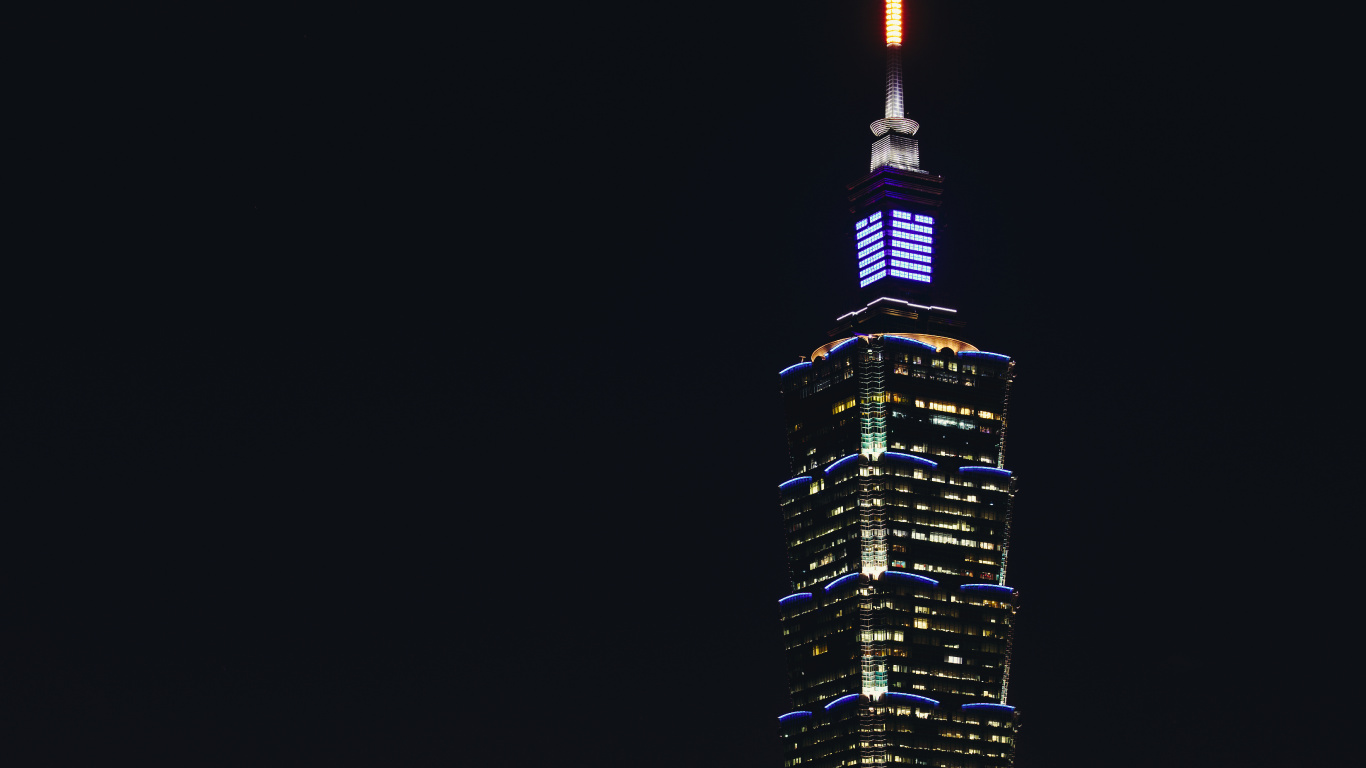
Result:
x=925 y=699
x=919 y=459
x=791 y=715
x=840 y=581
x=841 y=345
x=842 y=700
x=790 y=368
x=916 y=576
x=991 y=470
x=984 y=354
x=831 y=468
x=989 y=588
x=795 y=596
x=1002 y=707
x=793 y=480
x=904 y=340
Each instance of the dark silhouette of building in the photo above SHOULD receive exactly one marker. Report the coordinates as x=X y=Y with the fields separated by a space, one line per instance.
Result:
x=897 y=511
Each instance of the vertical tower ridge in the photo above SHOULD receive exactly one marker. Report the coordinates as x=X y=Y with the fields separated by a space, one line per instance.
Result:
x=895 y=107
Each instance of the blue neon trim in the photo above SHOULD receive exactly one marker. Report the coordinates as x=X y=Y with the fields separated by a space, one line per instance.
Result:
x=911 y=266
x=989 y=588
x=793 y=480
x=831 y=468
x=920 y=257
x=795 y=596
x=904 y=275
x=784 y=371
x=841 y=700
x=984 y=354
x=840 y=581
x=910 y=246
x=915 y=576
x=925 y=699
x=790 y=715
x=842 y=345
x=912 y=457
x=913 y=227
x=1005 y=707
x=992 y=470
x=872 y=268
x=863 y=262
x=905 y=340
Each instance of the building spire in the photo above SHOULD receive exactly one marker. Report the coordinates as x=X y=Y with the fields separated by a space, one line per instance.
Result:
x=894 y=104
x=896 y=145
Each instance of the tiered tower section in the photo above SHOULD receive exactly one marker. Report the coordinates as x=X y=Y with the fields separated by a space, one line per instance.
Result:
x=897 y=509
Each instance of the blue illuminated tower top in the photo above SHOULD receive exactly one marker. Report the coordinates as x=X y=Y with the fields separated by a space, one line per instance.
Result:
x=896 y=244
x=896 y=219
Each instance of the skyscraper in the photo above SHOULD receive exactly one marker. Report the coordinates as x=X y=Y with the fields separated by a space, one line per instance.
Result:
x=897 y=511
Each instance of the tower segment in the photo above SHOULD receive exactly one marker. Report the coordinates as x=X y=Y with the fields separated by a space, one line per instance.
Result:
x=897 y=506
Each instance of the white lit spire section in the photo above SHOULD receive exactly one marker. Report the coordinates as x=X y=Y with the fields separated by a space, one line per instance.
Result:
x=895 y=108
x=896 y=145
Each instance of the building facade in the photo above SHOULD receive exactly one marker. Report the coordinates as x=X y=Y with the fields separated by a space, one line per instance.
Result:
x=897 y=510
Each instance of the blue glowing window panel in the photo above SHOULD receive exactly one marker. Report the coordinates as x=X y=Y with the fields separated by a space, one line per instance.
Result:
x=870 y=235
x=919 y=459
x=904 y=340
x=876 y=255
x=910 y=236
x=920 y=257
x=797 y=596
x=984 y=354
x=793 y=716
x=988 y=470
x=875 y=266
x=841 y=462
x=911 y=697
x=912 y=246
x=989 y=588
x=913 y=227
x=842 y=700
x=998 y=707
x=792 y=368
x=904 y=275
x=922 y=579
x=912 y=267
x=841 y=580
x=794 y=480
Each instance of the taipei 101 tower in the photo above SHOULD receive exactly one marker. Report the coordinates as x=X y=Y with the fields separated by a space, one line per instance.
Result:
x=897 y=505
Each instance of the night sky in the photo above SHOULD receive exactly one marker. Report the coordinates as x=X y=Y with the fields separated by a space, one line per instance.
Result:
x=400 y=389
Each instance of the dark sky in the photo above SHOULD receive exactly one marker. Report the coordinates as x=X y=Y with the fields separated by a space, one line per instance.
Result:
x=399 y=389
